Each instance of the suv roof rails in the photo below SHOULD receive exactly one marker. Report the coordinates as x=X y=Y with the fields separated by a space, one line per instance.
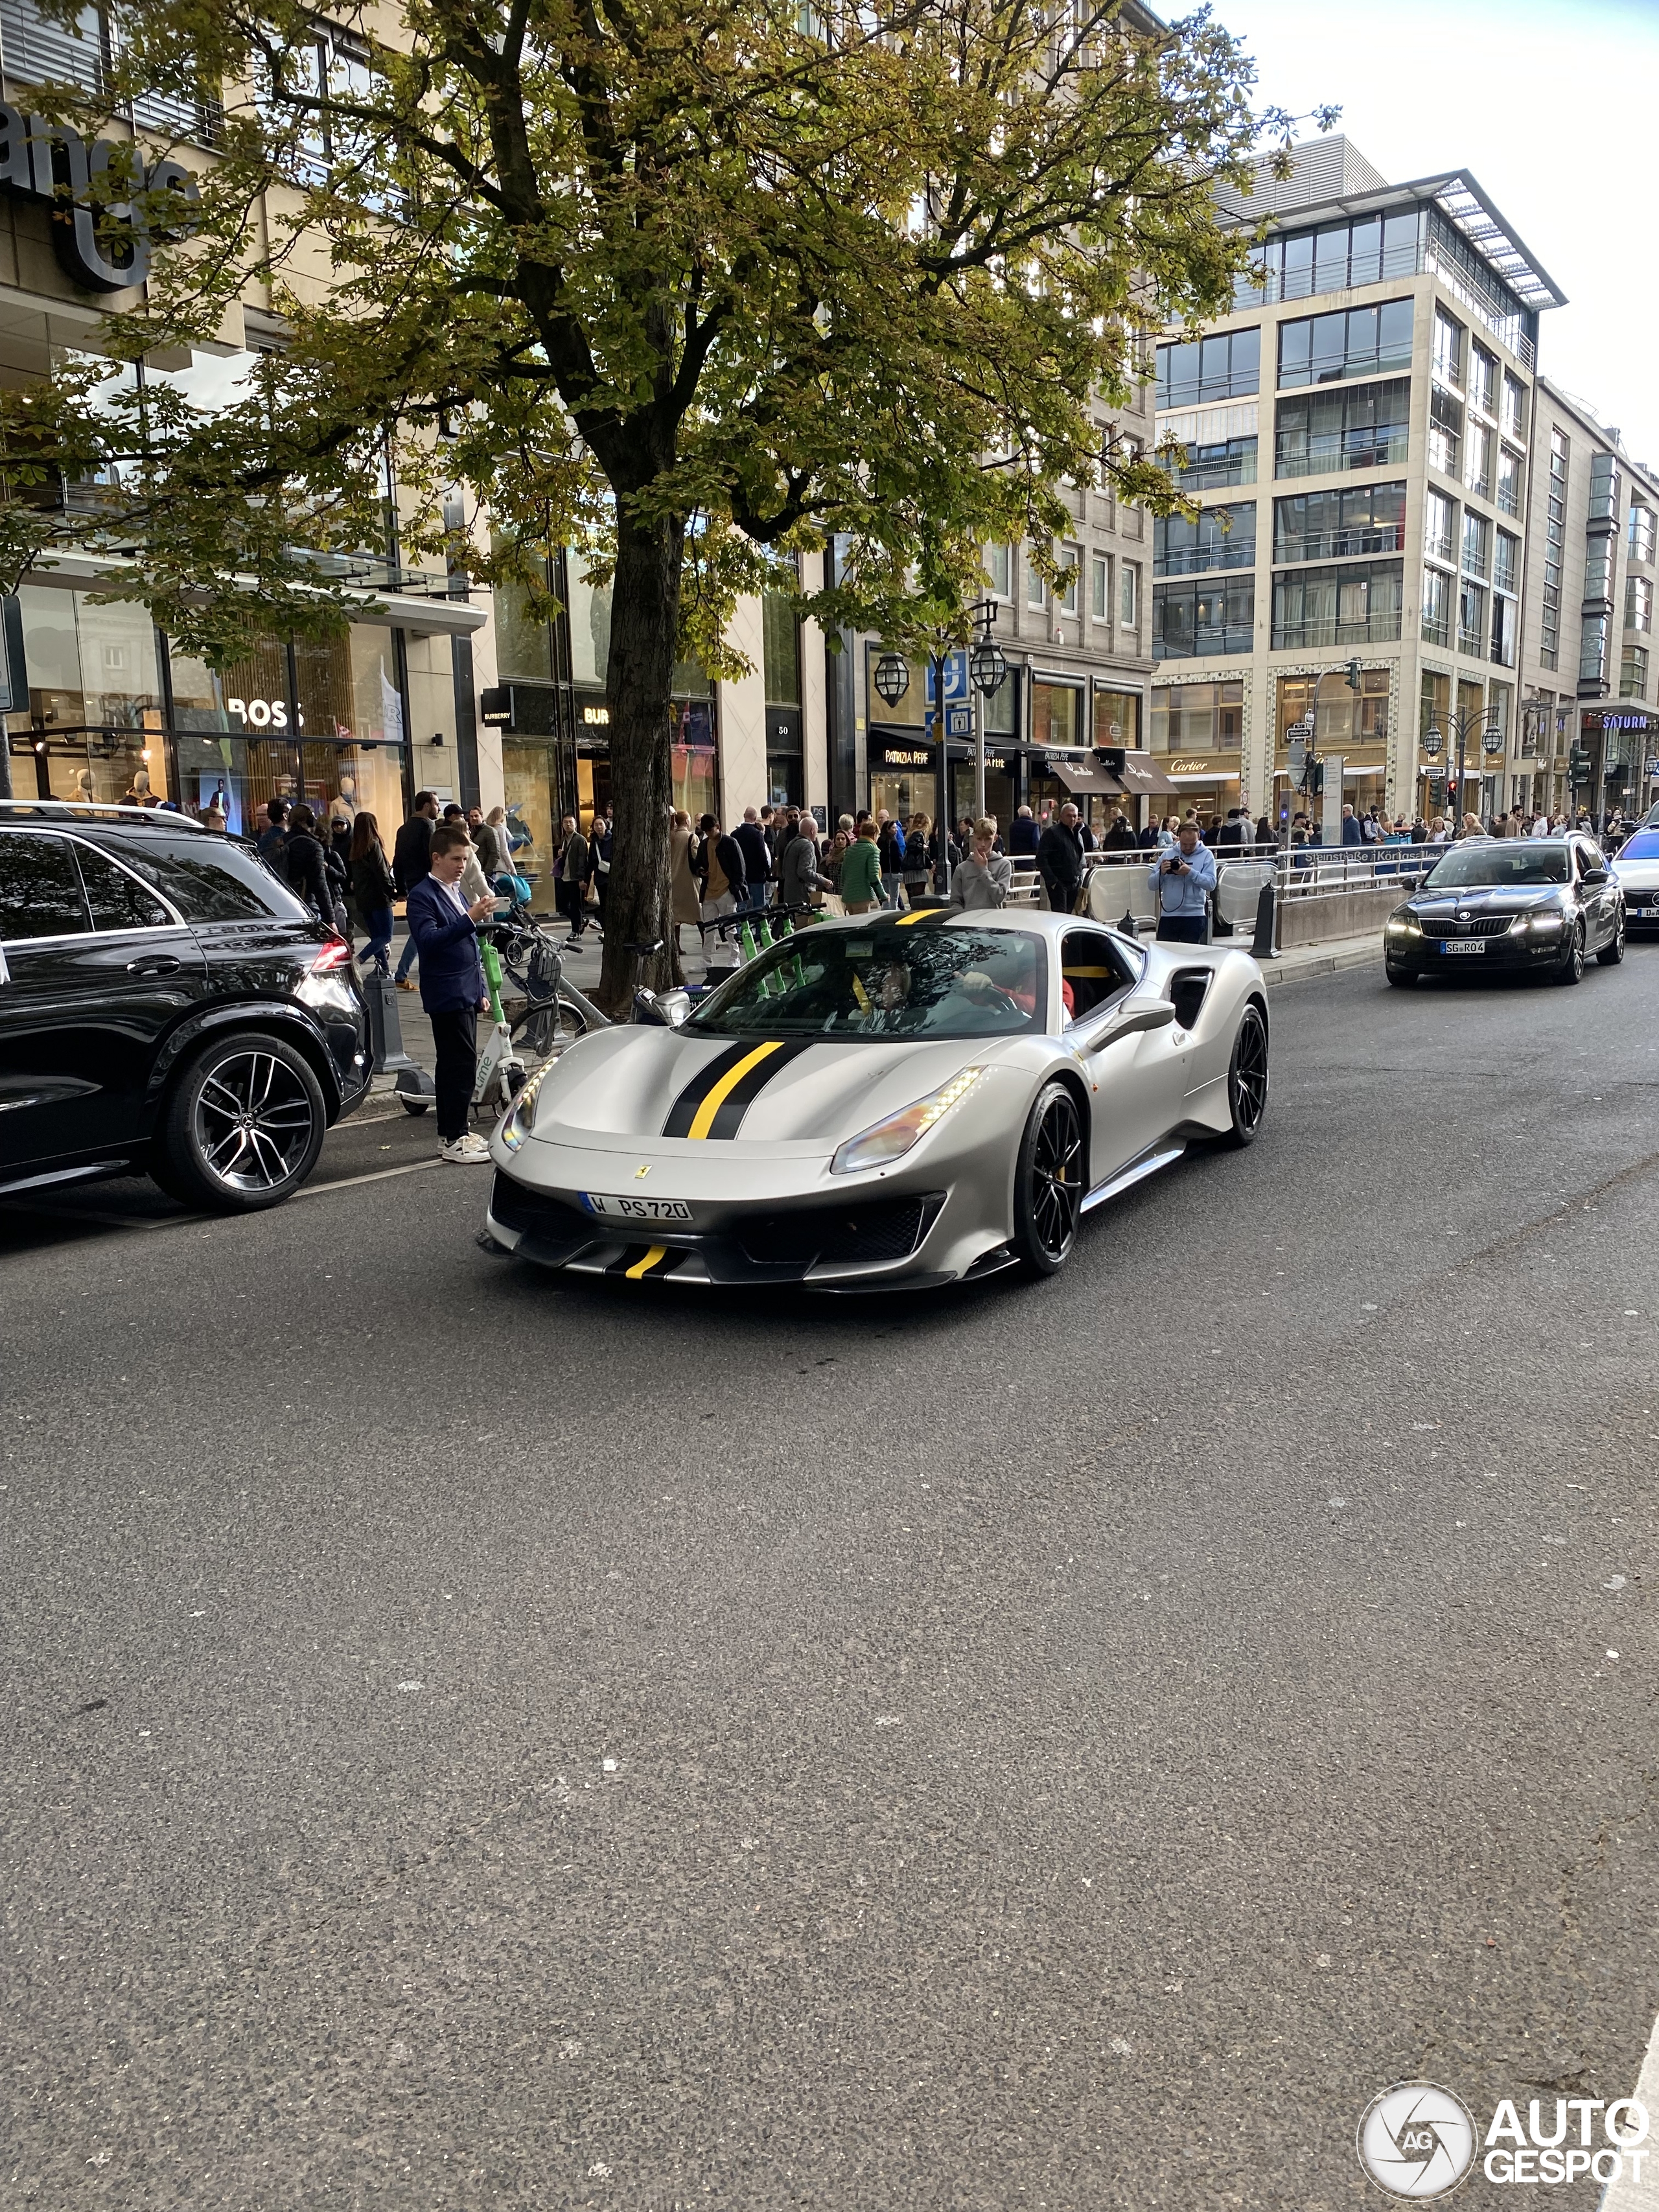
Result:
x=82 y=810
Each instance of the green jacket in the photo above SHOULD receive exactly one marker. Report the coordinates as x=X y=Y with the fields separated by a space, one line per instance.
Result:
x=860 y=872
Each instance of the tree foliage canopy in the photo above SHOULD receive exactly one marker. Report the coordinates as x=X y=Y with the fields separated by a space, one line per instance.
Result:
x=710 y=280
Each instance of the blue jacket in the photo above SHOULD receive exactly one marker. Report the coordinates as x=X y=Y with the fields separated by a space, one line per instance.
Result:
x=452 y=974
x=1183 y=895
x=1352 y=832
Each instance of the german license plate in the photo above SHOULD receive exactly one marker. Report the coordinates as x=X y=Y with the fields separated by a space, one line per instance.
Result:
x=1463 y=945
x=637 y=1209
x=1644 y=913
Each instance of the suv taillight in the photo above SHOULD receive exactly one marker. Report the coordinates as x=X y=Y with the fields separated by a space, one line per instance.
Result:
x=336 y=953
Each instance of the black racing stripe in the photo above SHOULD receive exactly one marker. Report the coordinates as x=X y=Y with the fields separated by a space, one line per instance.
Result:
x=735 y=1103
x=683 y=1112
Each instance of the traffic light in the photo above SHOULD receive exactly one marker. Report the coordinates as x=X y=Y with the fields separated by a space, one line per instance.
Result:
x=1316 y=777
x=1353 y=676
x=1578 y=763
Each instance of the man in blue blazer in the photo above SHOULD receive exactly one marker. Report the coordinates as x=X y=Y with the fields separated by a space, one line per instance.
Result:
x=444 y=929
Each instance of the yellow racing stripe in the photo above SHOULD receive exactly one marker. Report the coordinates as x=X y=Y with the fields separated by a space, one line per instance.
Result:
x=641 y=1267
x=703 y=1120
x=916 y=913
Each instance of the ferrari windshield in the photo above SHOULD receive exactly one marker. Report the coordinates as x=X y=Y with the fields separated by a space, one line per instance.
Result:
x=1483 y=864
x=890 y=979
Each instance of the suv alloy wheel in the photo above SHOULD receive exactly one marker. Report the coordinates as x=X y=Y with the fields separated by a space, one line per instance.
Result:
x=242 y=1126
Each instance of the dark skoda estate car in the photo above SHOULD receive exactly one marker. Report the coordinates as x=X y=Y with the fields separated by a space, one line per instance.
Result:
x=1503 y=903
x=166 y=1006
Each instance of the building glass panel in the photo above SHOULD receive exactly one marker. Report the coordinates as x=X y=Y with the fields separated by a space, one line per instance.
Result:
x=1357 y=604
x=1322 y=526
x=1193 y=622
x=1349 y=343
x=1365 y=427
x=1217 y=537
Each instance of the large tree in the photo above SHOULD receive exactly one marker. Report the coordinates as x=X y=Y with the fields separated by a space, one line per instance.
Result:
x=691 y=284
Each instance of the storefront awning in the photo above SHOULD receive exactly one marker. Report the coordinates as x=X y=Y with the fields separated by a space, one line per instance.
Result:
x=1083 y=779
x=437 y=617
x=1140 y=776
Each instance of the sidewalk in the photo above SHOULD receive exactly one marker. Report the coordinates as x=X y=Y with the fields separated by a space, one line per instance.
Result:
x=1293 y=967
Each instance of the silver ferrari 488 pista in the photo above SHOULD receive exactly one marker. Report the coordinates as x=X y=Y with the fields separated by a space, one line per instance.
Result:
x=915 y=1099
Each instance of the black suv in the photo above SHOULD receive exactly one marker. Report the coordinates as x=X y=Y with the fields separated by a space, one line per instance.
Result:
x=167 y=1006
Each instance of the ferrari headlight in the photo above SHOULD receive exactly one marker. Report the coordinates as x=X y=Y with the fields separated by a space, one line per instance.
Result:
x=891 y=1140
x=520 y=1116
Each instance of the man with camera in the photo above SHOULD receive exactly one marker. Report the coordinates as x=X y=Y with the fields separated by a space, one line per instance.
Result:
x=1183 y=881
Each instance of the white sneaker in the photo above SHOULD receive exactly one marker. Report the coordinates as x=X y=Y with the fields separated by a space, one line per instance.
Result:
x=464 y=1150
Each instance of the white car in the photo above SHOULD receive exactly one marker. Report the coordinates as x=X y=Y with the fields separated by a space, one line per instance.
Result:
x=910 y=1098
x=1635 y=868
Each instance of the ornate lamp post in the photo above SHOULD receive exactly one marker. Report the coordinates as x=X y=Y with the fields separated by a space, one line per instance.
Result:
x=1460 y=729
x=987 y=671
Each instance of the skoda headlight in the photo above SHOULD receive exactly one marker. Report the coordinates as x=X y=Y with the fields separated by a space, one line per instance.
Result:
x=1404 y=925
x=889 y=1141
x=1549 y=923
x=520 y=1116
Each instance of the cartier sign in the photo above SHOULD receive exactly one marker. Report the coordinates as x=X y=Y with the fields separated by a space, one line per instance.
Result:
x=50 y=162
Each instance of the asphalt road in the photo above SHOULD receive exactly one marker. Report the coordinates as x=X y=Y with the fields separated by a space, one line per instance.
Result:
x=476 y=1740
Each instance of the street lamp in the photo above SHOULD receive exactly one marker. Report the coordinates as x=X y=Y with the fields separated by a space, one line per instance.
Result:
x=1462 y=727
x=892 y=677
x=987 y=671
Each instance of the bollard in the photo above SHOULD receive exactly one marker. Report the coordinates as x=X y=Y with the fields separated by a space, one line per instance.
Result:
x=1265 y=923
x=385 y=1033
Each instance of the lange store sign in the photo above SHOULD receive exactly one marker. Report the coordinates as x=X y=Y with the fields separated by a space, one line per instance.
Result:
x=51 y=162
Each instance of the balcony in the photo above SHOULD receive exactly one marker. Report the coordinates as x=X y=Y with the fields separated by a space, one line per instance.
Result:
x=1380 y=628
x=1325 y=454
x=1341 y=544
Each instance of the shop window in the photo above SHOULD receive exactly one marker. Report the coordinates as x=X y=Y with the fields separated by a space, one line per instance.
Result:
x=1056 y=714
x=524 y=640
x=1199 y=718
x=1342 y=718
x=1117 y=719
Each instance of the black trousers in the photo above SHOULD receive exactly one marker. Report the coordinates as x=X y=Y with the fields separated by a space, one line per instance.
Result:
x=1180 y=928
x=571 y=907
x=456 y=1038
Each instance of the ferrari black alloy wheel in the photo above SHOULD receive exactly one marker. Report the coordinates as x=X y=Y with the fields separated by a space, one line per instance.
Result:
x=1247 y=1078
x=1048 y=1182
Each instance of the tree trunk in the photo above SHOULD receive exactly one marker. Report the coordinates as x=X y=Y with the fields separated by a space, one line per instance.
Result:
x=645 y=611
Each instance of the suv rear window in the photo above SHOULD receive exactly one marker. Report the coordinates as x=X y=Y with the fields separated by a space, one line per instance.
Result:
x=40 y=886
x=211 y=879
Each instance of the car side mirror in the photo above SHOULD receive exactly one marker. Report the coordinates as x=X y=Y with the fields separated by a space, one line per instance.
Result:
x=1595 y=876
x=1151 y=1014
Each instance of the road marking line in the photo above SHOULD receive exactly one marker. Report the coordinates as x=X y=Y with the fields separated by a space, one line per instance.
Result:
x=376 y=1175
x=1625 y=2195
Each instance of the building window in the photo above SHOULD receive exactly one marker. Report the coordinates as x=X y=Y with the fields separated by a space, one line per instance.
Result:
x=998 y=567
x=780 y=650
x=1555 y=542
x=1640 y=532
x=1338 y=256
x=1056 y=714
x=1209 y=467
x=1603 y=488
x=1436 y=607
x=1198 y=718
x=1366 y=427
x=1196 y=622
x=1483 y=381
x=1219 y=538
x=1198 y=371
x=1128 y=595
x=1508 y=481
x=1634 y=673
x=1515 y=407
x=1477 y=474
x=1472 y=620
x=1445 y=431
x=1506 y=568
x=1354 y=342
x=1073 y=559
x=1354 y=606
x=1469 y=277
x=1037 y=592
x=1477 y=539
x=1598 y=569
x=1346 y=719
x=1503 y=630
x=1100 y=578
x=1328 y=525
x=1638 y=603
x=1593 y=650
x=1117 y=718
x=1448 y=348
x=1438 y=516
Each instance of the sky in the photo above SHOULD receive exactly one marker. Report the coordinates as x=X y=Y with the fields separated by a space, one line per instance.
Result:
x=1551 y=105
